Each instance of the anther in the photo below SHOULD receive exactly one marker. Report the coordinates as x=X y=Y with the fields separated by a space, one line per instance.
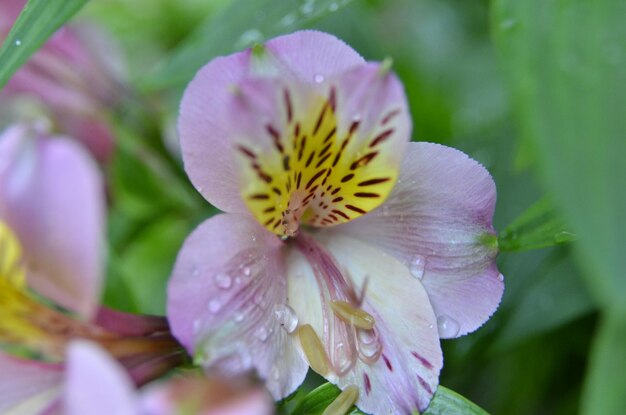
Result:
x=313 y=349
x=343 y=402
x=352 y=315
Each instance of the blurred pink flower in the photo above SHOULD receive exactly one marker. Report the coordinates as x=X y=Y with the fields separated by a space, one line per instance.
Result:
x=97 y=385
x=51 y=242
x=345 y=247
x=73 y=79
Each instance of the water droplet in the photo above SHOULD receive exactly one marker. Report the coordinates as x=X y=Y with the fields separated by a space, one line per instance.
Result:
x=237 y=280
x=307 y=7
x=286 y=317
x=416 y=266
x=275 y=373
x=214 y=306
x=500 y=277
x=447 y=326
x=197 y=323
x=261 y=333
x=259 y=300
x=246 y=271
x=238 y=317
x=333 y=7
x=253 y=238
x=288 y=20
x=508 y=24
x=18 y=42
x=430 y=326
x=356 y=117
x=223 y=281
x=318 y=78
x=248 y=38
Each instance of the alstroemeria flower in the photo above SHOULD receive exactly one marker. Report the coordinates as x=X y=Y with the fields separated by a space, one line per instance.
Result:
x=345 y=247
x=51 y=245
x=111 y=391
x=73 y=80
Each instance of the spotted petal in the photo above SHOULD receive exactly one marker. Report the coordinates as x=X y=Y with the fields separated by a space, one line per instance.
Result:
x=226 y=302
x=51 y=197
x=437 y=221
x=323 y=153
x=203 y=126
x=396 y=365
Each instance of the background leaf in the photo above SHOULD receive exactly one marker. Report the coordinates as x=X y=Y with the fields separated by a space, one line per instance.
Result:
x=37 y=22
x=236 y=27
x=565 y=62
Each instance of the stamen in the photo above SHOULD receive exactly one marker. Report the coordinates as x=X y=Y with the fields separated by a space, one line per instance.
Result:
x=354 y=316
x=313 y=349
x=343 y=402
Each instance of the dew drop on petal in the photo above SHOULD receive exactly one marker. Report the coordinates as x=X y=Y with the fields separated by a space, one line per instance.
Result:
x=416 y=266
x=238 y=317
x=223 y=281
x=447 y=326
x=286 y=317
x=261 y=333
x=500 y=277
x=214 y=306
x=318 y=78
x=246 y=271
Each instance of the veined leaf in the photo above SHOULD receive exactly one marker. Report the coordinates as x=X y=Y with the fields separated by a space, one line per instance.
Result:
x=538 y=227
x=445 y=402
x=37 y=22
x=238 y=26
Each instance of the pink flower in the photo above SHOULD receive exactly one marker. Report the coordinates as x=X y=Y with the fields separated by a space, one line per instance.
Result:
x=111 y=391
x=73 y=79
x=51 y=242
x=345 y=247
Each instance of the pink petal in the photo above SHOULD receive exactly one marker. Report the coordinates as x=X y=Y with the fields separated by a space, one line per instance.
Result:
x=27 y=385
x=217 y=396
x=405 y=374
x=227 y=283
x=311 y=56
x=203 y=124
x=438 y=221
x=96 y=384
x=51 y=195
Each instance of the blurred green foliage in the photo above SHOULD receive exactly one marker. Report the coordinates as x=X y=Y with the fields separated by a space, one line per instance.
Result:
x=534 y=90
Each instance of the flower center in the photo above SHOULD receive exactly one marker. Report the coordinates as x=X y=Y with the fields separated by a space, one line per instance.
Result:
x=316 y=170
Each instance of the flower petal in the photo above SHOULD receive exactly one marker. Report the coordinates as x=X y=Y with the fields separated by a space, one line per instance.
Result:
x=203 y=123
x=404 y=376
x=96 y=384
x=51 y=195
x=27 y=387
x=438 y=222
x=225 y=298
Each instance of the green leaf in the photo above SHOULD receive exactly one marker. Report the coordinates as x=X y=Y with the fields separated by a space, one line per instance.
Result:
x=556 y=298
x=240 y=25
x=445 y=402
x=37 y=22
x=539 y=226
x=604 y=389
x=146 y=264
x=565 y=63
